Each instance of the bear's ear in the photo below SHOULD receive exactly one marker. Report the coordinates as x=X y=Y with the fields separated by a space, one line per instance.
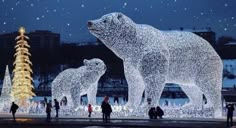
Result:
x=85 y=61
x=120 y=16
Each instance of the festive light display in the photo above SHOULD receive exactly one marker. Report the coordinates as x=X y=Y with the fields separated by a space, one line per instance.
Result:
x=153 y=58
x=22 y=80
x=5 y=98
x=73 y=83
x=6 y=88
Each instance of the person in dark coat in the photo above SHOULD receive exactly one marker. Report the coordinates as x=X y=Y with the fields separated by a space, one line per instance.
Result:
x=48 y=111
x=57 y=107
x=106 y=109
x=152 y=113
x=13 y=109
x=159 y=112
x=230 y=108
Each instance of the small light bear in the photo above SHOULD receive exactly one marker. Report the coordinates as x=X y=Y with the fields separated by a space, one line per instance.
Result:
x=73 y=83
x=153 y=58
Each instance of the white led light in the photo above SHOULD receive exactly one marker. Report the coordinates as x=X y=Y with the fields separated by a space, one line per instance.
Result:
x=73 y=83
x=153 y=58
x=5 y=98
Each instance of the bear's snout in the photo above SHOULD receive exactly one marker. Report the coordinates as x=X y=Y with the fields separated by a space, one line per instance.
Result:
x=89 y=23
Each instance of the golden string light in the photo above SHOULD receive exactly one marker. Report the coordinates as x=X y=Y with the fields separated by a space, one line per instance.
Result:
x=22 y=89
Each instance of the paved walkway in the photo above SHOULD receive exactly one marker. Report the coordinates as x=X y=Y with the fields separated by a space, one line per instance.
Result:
x=39 y=122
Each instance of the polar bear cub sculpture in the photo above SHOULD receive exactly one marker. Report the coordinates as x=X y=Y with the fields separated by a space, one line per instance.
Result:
x=73 y=83
x=153 y=58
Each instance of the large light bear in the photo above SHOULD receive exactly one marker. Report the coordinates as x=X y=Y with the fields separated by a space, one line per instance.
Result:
x=73 y=83
x=153 y=58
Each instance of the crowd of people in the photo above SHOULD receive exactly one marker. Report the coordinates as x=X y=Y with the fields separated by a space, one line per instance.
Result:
x=153 y=113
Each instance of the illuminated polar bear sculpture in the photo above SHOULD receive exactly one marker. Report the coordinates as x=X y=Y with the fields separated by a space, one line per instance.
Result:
x=153 y=58
x=73 y=83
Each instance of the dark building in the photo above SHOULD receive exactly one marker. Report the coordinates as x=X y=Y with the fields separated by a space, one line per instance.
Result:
x=7 y=44
x=38 y=39
x=43 y=47
x=208 y=35
x=229 y=95
x=44 y=39
x=7 y=41
x=227 y=51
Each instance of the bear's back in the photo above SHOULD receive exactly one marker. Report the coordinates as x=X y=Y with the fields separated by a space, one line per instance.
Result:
x=187 y=46
x=188 y=53
x=84 y=76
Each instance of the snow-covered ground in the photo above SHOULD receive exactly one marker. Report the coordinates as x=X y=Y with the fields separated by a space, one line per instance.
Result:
x=172 y=110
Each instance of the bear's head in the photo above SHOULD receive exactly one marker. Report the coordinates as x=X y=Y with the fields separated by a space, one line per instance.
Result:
x=112 y=28
x=96 y=65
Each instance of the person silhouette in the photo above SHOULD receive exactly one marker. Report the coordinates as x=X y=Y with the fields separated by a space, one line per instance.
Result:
x=48 y=111
x=57 y=107
x=152 y=113
x=90 y=110
x=103 y=107
x=13 y=109
x=106 y=109
x=230 y=112
x=159 y=112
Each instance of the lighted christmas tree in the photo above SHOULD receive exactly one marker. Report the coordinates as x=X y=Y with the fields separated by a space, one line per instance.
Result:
x=6 y=87
x=22 y=89
x=5 y=98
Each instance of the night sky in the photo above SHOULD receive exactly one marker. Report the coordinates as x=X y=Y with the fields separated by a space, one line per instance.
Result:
x=69 y=17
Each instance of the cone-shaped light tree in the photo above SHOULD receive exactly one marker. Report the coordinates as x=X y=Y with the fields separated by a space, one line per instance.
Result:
x=6 y=87
x=22 y=89
x=5 y=98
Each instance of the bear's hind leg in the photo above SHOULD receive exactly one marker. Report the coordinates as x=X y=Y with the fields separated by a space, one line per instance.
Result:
x=213 y=97
x=210 y=82
x=194 y=95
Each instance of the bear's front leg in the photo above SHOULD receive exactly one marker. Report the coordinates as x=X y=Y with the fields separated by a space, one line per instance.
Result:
x=153 y=68
x=91 y=93
x=75 y=96
x=135 y=85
